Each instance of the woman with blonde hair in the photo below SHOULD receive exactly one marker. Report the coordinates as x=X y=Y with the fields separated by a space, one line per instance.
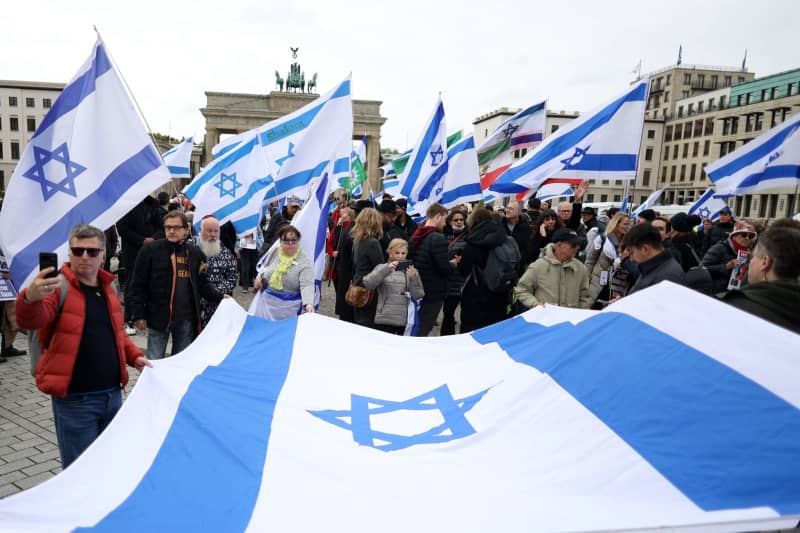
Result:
x=603 y=255
x=367 y=254
x=399 y=291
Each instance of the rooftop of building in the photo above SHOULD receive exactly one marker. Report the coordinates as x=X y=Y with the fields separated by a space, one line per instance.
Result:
x=42 y=85
x=711 y=68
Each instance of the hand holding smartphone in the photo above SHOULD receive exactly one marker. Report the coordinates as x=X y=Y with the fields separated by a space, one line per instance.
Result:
x=49 y=259
x=403 y=265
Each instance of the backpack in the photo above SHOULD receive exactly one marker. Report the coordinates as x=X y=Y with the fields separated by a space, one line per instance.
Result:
x=34 y=348
x=500 y=274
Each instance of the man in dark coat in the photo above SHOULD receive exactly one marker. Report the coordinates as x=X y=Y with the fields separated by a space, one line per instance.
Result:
x=137 y=228
x=517 y=226
x=655 y=264
x=773 y=289
x=403 y=221
x=719 y=230
x=431 y=259
x=388 y=211
x=293 y=205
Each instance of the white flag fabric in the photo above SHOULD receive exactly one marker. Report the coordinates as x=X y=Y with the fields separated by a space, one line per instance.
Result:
x=603 y=144
x=427 y=162
x=708 y=206
x=554 y=190
x=178 y=157
x=649 y=203
x=462 y=182
x=631 y=418
x=89 y=162
x=770 y=161
x=281 y=158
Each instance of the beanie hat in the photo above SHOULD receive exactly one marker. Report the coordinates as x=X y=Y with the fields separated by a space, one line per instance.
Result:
x=681 y=223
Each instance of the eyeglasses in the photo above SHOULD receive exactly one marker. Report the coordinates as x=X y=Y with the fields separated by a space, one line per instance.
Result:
x=458 y=220
x=174 y=228
x=290 y=241
x=77 y=251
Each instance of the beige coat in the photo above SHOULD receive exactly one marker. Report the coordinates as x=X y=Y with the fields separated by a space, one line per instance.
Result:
x=548 y=280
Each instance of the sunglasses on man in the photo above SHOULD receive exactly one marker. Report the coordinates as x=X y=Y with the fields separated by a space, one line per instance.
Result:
x=78 y=251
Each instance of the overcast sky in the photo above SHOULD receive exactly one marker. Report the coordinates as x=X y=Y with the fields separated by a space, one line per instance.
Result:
x=481 y=56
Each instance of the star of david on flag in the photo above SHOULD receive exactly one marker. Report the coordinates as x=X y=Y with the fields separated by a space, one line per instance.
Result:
x=37 y=172
x=708 y=206
x=510 y=129
x=227 y=191
x=363 y=409
x=436 y=156
x=575 y=158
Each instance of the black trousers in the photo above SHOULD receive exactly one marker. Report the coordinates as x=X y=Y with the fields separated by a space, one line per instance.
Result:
x=428 y=312
x=249 y=260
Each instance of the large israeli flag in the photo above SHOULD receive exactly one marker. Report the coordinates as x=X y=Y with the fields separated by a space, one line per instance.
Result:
x=708 y=206
x=633 y=419
x=178 y=157
x=603 y=144
x=90 y=161
x=462 y=182
x=427 y=163
x=769 y=162
x=281 y=158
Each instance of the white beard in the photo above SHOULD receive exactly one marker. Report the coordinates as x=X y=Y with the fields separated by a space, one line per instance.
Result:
x=210 y=248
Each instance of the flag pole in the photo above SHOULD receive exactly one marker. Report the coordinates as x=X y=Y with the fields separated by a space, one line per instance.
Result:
x=135 y=102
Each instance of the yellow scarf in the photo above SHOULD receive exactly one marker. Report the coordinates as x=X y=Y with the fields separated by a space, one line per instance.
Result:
x=284 y=264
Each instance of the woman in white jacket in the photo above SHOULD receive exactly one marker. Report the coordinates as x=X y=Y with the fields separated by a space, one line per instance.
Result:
x=399 y=290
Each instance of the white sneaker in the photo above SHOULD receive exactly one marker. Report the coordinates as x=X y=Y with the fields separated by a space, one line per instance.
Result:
x=130 y=330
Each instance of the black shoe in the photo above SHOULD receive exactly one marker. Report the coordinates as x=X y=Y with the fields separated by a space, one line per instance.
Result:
x=12 y=352
x=3 y=359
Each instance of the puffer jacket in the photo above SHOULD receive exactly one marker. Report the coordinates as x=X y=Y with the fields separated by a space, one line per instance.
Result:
x=62 y=338
x=392 y=307
x=547 y=280
x=715 y=260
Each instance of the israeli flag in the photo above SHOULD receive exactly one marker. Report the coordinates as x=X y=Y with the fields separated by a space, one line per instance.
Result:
x=603 y=144
x=89 y=162
x=638 y=421
x=554 y=190
x=649 y=203
x=427 y=163
x=625 y=204
x=178 y=157
x=462 y=182
x=282 y=158
x=770 y=161
x=708 y=206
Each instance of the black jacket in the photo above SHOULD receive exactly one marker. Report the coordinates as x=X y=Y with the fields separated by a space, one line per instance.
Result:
x=775 y=301
x=154 y=279
x=522 y=235
x=393 y=232
x=432 y=260
x=681 y=247
x=366 y=256
x=275 y=223
x=715 y=260
x=479 y=306
x=408 y=228
x=718 y=232
x=138 y=224
x=662 y=267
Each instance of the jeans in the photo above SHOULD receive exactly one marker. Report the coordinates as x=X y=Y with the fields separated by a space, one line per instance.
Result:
x=80 y=417
x=428 y=313
x=182 y=336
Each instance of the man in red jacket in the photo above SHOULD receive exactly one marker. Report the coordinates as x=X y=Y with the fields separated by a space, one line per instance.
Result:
x=84 y=344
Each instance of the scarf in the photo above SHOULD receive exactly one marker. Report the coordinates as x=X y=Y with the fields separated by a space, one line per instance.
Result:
x=422 y=232
x=284 y=264
x=738 y=247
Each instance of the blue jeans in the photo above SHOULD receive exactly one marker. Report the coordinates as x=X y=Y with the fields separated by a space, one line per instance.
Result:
x=182 y=336
x=81 y=417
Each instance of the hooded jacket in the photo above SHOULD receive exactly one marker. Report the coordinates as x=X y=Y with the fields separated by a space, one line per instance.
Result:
x=547 y=280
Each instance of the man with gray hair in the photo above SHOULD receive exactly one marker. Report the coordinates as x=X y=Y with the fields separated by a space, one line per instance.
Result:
x=222 y=271
x=84 y=347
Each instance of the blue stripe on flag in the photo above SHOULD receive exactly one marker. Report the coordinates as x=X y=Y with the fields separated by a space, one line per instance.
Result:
x=605 y=162
x=218 y=166
x=466 y=144
x=299 y=179
x=74 y=93
x=237 y=397
x=424 y=149
x=122 y=178
x=771 y=173
x=240 y=225
x=178 y=170
x=567 y=141
x=341 y=165
x=700 y=201
x=460 y=192
x=754 y=154
x=718 y=437
x=526 y=138
x=171 y=150
x=435 y=178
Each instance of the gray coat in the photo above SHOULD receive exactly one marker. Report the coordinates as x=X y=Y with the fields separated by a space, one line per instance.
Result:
x=392 y=308
x=299 y=278
x=662 y=267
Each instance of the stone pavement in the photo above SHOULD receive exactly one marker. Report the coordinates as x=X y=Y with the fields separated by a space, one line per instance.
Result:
x=28 y=451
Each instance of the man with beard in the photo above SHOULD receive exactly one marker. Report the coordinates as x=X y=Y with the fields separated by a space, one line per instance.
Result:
x=222 y=269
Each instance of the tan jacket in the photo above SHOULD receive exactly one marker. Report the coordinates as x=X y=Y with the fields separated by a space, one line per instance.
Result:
x=547 y=280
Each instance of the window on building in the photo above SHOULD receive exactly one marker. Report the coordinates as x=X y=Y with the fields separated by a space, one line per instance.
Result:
x=687 y=79
x=651 y=134
x=666 y=153
x=30 y=102
x=692 y=172
x=727 y=81
x=714 y=81
x=656 y=100
x=690 y=109
x=685 y=94
x=734 y=125
x=722 y=101
x=590 y=198
x=711 y=104
x=695 y=148
x=605 y=182
x=669 y=78
x=748 y=98
x=764 y=94
x=666 y=96
x=683 y=172
x=672 y=173
x=687 y=130
x=773 y=93
x=701 y=80
x=680 y=111
x=749 y=122
x=48 y=103
x=741 y=79
x=709 y=130
x=699 y=107
x=791 y=89
x=12 y=101
x=678 y=132
x=485 y=132
x=648 y=154
x=759 y=121
x=739 y=99
x=603 y=197
x=1 y=150
x=698 y=128
x=685 y=150
x=668 y=134
x=655 y=113
x=675 y=152
x=31 y=123
x=706 y=147
x=13 y=124
x=618 y=183
x=726 y=126
x=703 y=171
x=1 y=123
x=554 y=128
x=663 y=174
x=14 y=150
x=646 y=177
x=617 y=198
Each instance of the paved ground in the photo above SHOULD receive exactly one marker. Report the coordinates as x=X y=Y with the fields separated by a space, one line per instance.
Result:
x=28 y=451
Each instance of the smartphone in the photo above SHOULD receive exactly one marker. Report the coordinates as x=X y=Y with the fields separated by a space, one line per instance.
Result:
x=49 y=259
x=403 y=265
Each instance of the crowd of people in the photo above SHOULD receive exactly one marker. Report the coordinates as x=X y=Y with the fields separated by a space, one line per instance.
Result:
x=462 y=268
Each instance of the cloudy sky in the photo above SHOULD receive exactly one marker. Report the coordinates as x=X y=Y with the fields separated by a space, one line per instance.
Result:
x=479 y=55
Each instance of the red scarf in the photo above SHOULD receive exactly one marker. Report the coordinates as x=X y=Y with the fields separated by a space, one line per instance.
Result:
x=422 y=232
x=738 y=247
